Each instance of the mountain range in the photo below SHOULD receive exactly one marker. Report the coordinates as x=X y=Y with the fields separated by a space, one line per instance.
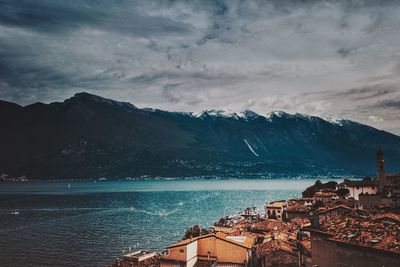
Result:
x=88 y=136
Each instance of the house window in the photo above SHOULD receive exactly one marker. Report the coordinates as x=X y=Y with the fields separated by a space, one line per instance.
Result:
x=182 y=251
x=358 y=188
x=372 y=188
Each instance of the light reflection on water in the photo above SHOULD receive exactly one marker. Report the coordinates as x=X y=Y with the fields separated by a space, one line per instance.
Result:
x=90 y=224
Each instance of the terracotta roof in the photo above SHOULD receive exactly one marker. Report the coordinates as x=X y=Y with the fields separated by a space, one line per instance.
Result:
x=188 y=241
x=307 y=198
x=337 y=207
x=387 y=216
x=269 y=225
x=300 y=221
x=298 y=209
x=247 y=244
x=272 y=246
x=362 y=231
x=325 y=194
x=277 y=204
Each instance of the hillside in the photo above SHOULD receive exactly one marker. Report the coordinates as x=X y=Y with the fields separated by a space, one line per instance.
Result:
x=88 y=136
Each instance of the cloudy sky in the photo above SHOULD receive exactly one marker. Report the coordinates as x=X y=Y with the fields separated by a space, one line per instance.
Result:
x=334 y=59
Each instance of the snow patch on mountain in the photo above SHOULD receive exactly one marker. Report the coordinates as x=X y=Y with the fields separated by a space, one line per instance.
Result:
x=216 y=113
x=246 y=114
x=250 y=148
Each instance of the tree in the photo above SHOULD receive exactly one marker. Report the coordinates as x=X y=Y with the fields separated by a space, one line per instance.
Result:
x=331 y=185
x=342 y=192
x=319 y=186
x=194 y=231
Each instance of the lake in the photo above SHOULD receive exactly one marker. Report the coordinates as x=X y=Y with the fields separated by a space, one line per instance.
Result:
x=88 y=223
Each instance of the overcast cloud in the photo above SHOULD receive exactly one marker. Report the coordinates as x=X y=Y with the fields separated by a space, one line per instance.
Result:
x=335 y=59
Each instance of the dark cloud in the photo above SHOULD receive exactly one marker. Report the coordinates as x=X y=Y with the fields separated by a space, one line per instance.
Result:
x=43 y=15
x=388 y=104
x=368 y=92
x=344 y=52
x=206 y=54
x=61 y=16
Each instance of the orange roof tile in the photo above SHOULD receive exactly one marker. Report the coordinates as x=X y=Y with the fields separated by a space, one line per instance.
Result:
x=362 y=231
x=325 y=194
x=337 y=207
x=274 y=245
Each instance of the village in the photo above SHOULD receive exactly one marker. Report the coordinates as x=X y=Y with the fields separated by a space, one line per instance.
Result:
x=352 y=223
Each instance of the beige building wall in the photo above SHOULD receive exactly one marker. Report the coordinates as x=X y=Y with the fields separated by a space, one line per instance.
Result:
x=224 y=251
x=356 y=191
x=185 y=253
x=206 y=245
x=177 y=253
x=228 y=252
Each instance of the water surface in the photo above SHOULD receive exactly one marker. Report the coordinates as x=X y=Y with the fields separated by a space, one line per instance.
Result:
x=89 y=223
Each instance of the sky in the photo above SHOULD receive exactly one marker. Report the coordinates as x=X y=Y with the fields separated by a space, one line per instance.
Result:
x=333 y=59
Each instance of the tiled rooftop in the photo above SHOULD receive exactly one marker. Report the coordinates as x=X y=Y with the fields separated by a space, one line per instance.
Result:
x=248 y=242
x=301 y=222
x=336 y=208
x=277 y=204
x=371 y=231
x=325 y=194
x=270 y=224
x=298 y=208
x=274 y=245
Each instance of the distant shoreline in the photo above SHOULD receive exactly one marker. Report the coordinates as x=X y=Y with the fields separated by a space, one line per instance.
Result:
x=341 y=177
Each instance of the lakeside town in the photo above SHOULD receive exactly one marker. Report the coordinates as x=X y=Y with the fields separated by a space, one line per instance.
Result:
x=352 y=223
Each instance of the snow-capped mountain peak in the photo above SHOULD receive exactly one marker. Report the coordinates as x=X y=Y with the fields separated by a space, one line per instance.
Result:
x=216 y=113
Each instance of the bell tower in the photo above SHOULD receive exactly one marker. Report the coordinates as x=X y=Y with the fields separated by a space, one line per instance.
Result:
x=380 y=168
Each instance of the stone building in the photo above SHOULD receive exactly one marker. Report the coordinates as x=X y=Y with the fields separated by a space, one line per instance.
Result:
x=276 y=210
